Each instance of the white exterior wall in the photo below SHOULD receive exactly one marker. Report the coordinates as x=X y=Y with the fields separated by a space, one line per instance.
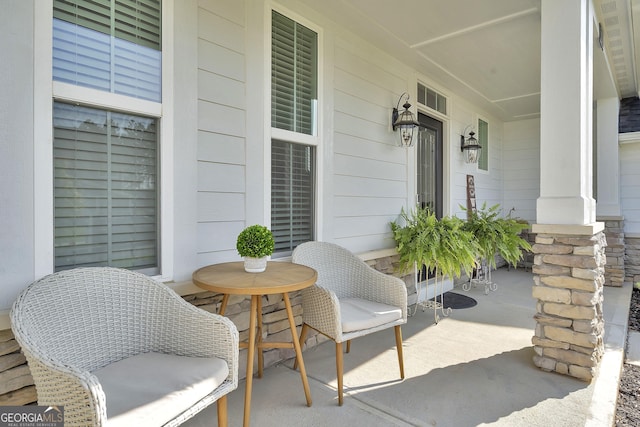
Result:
x=221 y=124
x=488 y=184
x=16 y=151
x=219 y=163
x=630 y=185
x=369 y=171
x=522 y=168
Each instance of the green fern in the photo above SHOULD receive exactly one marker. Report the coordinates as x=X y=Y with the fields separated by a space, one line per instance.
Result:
x=497 y=235
x=441 y=245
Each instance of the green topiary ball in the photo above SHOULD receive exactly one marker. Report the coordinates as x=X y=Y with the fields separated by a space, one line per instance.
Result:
x=255 y=241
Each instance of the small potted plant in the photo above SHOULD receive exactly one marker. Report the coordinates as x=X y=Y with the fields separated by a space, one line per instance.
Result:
x=255 y=243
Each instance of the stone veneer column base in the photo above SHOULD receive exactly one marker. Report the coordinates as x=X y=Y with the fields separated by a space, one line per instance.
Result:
x=632 y=258
x=614 y=272
x=568 y=284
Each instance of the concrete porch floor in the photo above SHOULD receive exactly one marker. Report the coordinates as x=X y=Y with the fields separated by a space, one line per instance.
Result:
x=473 y=368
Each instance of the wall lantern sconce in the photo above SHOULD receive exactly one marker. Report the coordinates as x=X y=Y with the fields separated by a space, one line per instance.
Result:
x=470 y=146
x=405 y=121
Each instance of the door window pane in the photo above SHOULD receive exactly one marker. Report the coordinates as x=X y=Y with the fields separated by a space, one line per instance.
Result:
x=429 y=164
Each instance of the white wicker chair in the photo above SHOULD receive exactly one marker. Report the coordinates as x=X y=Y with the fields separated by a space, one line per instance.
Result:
x=72 y=323
x=345 y=280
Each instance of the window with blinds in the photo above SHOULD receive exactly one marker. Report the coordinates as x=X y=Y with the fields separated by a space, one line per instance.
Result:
x=105 y=189
x=294 y=75
x=294 y=81
x=483 y=140
x=292 y=195
x=109 y=45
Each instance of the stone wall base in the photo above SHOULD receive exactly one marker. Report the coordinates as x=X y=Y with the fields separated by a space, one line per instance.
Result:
x=568 y=285
x=614 y=271
x=16 y=382
x=632 y=259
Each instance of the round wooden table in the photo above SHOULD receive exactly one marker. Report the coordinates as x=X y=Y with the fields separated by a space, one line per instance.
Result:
x=279 y=278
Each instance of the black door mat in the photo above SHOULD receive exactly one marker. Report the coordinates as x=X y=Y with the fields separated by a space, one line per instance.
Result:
x=456 y=301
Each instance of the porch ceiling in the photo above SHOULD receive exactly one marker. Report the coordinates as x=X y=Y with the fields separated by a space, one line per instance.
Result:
x=488 y=52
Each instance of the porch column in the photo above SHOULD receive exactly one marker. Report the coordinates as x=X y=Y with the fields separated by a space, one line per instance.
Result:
x=569 y=262
x=608 y=209
x=608 y=161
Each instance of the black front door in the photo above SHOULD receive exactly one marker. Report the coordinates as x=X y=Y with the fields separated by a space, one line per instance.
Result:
x=429 y=170
x=429 y=164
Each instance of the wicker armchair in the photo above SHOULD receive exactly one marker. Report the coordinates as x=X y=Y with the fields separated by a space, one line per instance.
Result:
x=107 y=343
x=349 y=300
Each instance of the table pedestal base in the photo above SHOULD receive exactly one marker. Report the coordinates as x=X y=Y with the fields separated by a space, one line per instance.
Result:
x=255 y=319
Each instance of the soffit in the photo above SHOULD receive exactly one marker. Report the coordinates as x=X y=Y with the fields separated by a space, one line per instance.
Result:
x=485 y=51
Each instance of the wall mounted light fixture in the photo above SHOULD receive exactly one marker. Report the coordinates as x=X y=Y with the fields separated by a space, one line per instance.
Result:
x=405 y=121
x=470 y=146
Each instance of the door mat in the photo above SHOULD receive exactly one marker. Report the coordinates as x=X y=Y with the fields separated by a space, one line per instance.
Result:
x=457 y=301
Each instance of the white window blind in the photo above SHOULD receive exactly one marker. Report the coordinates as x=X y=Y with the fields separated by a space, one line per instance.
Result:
x=292 y=194
x=110 y=45
x=294 y=75
x=483 y=140
x=105 y=189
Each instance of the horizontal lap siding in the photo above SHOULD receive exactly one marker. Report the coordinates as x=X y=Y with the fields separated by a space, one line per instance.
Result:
x=630 y=187
x=369 y=170
x=490 y=185
x=522 y=168
x=221 y=129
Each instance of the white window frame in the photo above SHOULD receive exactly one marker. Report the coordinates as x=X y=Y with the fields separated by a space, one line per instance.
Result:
x=46 y=90
x=289 y=136
x=477 y=129
x=448 y=171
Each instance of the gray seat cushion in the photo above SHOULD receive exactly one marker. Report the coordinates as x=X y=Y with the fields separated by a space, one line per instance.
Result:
x=153 y=388
x=358 y=314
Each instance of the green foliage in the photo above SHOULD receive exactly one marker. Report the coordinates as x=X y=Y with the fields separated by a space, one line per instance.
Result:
x=255 y=241
x=497 y=235
x=442 y=244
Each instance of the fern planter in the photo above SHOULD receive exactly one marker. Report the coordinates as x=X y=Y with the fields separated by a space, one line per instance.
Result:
x=440 y=245
x=495 y=235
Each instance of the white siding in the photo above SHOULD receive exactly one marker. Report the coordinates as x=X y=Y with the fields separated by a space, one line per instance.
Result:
x=370 y=171
x=219 y=118
x=630 y=187
x=222 y=126
x=489 y=183
x=16 y=152
x=522 y=168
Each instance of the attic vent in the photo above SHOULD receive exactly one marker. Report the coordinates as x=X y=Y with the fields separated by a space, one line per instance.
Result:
x=432 y=99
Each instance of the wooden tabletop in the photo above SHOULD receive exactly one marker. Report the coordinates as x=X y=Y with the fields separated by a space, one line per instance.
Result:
x=230 y=278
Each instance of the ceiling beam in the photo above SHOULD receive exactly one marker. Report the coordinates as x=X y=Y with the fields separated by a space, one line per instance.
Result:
x=477 y=27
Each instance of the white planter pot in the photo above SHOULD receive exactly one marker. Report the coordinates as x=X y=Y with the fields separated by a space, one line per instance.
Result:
x=255 y=265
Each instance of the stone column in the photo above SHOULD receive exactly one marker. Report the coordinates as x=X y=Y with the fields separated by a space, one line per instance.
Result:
x=614 y=272
x=569 y=275
x=569 y=250
x=632 y=258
